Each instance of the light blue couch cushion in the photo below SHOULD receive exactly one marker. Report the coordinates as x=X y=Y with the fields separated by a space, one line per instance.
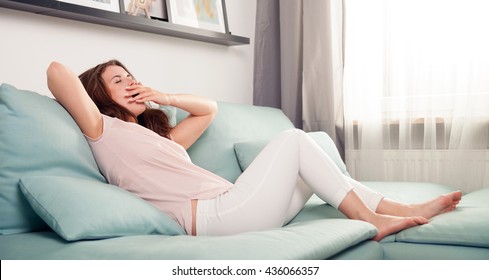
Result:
x=37 y=137
x=247 y=151
x=85 y=209
x=467 y=225
x=319 y=239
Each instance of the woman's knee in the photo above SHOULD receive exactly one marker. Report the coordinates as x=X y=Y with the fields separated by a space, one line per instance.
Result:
x=294 y=131
x=290 y=136
x=294 y=135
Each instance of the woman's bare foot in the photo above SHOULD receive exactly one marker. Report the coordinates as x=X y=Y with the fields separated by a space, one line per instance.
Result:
x=442 y=204
x=387 y=225
x=354 y=208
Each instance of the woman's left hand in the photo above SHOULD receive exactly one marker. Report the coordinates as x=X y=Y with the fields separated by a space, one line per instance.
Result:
x=139 y=93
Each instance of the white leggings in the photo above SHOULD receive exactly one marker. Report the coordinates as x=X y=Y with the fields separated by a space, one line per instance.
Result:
x=267 y=195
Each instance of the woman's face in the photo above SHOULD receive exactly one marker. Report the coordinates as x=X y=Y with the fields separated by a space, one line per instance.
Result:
x=117 y=80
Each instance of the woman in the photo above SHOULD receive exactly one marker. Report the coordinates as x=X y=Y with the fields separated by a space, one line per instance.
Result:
x=110 y=108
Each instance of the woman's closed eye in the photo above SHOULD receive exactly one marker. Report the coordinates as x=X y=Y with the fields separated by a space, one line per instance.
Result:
x=118 y=78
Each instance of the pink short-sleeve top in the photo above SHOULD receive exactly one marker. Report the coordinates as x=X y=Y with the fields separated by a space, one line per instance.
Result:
x=154 y=168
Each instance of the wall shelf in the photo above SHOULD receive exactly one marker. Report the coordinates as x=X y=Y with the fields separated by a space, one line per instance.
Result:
x=92 y=15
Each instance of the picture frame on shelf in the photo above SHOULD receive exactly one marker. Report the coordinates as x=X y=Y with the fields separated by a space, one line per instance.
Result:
x=79 y=10
x=204 y=14
x=156 y=8
x=107 y=5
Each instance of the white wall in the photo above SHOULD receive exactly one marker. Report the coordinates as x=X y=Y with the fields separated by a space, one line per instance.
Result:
x=29 y=42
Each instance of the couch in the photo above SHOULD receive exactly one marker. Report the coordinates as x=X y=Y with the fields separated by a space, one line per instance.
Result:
x=55 y=204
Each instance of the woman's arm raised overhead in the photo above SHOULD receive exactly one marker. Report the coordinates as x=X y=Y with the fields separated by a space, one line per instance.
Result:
x=69 y=91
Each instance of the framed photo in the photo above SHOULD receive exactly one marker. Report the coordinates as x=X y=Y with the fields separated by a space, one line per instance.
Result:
x=205 y=14
x=108 y=5
x=156 y=8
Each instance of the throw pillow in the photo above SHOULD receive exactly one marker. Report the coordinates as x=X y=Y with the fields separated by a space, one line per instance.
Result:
x=466 y=225
x=78 y=209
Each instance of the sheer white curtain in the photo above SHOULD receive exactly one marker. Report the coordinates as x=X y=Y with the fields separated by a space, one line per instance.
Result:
x=416 y=91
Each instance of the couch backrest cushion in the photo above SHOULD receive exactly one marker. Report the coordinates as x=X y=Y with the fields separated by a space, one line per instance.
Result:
x=234 y=123
x=37 y=137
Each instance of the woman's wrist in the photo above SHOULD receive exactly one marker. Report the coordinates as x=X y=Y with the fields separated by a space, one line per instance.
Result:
x=195 y=105
x=166 y=99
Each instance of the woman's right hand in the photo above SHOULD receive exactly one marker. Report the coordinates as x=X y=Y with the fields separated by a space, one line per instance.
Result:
x=201 y=111
x=137 y=92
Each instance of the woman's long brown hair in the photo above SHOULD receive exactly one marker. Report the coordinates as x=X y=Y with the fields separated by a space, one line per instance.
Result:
x=91 y=79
